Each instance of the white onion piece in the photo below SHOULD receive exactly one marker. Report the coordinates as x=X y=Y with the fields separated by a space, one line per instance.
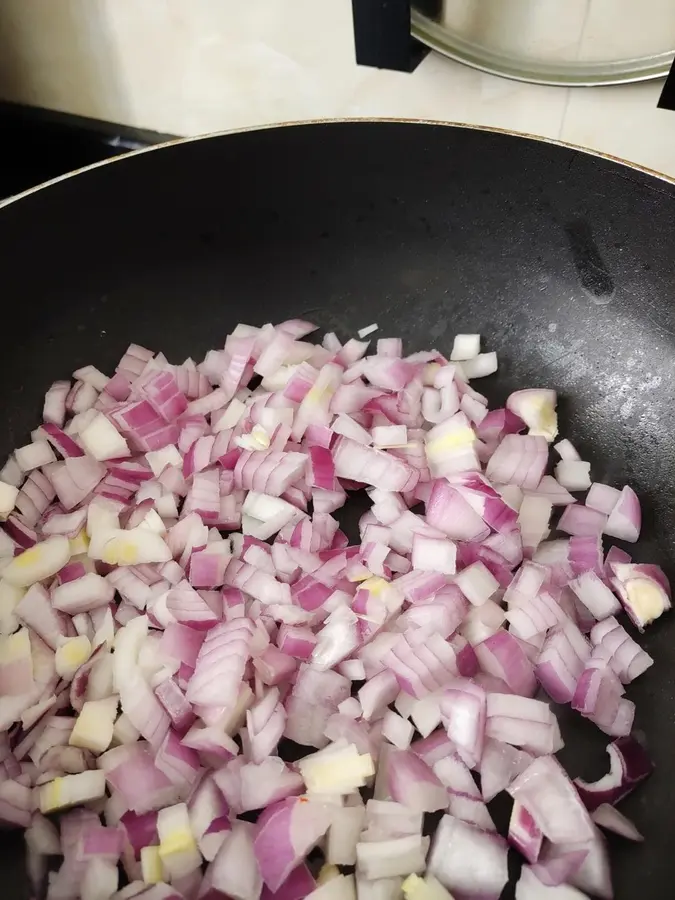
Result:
x=609 y=818
x=71 y=790
x=567 y=451
x=602 y=497
x=625 y=517
x=8 y=495
x=536 y=408
x=71 y=654
x=500 y=765
x=413 y=783
x=548 y=794
x=16 y=664
x=465 y=346
x=133 y=547
x=468 y=861
x=379 y=888
x=83 y=594
x=477 y=583
x=34 y=455
x=337 y=769
x=100 y=880
x=464 y=798
x=427 y=888
x=94 y=727
x=339 y=887
x=102 y=440
x=573 y=474
x=178 y=849
x=530 y=888
x=480 y=366
x=397 y=730
x=343 y=835
x=285 y=833
x=643 y=591
x=392 y=857
x=38 y=562
x=595 y=595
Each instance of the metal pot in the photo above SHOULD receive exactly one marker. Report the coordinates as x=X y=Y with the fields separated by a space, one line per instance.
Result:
x=572 y=42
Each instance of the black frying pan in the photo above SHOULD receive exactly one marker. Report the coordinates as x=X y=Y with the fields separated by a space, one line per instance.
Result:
x=565 y=262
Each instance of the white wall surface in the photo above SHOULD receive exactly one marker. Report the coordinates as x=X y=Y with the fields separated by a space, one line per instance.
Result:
x=194 y=66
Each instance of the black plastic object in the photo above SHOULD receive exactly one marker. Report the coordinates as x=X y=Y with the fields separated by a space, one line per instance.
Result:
x=39 y=144
x=426 y=230
x=382 y=36
x=667 y=98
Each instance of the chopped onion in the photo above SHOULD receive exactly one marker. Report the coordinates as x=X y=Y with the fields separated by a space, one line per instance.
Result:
x=464 y=798
x=147 y=654
x=574 y=475
x=285 y=833
x=609 y=818
x=629 y=765
x=643 y=590
x=337 y=769
x=536 y=408
x=393 y=856
x=71 y=790
x=465 y=346
x=38 y=562
x=468 y=861
x=530 y=888
x=550 y=798
x=524 y=834
x=177 y=846
x=413 y=783
x=625 y=517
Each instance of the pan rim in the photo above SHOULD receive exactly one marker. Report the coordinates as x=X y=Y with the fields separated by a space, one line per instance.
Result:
x=645 y=170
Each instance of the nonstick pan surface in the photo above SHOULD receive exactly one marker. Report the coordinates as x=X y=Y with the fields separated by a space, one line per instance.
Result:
x=563 y=261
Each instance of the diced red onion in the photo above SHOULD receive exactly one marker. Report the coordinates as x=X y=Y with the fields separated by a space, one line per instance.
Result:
x=602 y=497
x=629 y=765
x=551 y=799
x=464 y=798
x=625 y=518
x=524 y=834
x=500 y=765
x=519 y=459
x=501 y=655
x=595 y=595
x=574 y=475
x=644 y=591
x=413 y=783
x=582 y=521
x=463 y=708
x=523 y=722
x=285 y=833
x=609 y=818
x=613 y=644
x=467 y=861
x=244 y=642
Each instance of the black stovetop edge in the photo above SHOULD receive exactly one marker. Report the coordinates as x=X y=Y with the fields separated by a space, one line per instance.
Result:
x=37 y=145
x=21 y=115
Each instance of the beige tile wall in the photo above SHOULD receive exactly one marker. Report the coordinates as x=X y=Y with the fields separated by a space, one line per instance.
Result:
x=196 y=66
x=182 y=66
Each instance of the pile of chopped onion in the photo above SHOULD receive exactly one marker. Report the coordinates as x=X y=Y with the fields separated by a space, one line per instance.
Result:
x=207 y=690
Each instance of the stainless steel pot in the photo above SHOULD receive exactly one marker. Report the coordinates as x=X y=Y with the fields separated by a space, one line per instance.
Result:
x=564 y=42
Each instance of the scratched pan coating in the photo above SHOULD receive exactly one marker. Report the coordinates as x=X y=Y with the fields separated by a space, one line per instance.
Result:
x=564 y=262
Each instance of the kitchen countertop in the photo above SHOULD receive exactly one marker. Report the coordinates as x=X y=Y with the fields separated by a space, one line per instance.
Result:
x=621 y=120
x=203 y=67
